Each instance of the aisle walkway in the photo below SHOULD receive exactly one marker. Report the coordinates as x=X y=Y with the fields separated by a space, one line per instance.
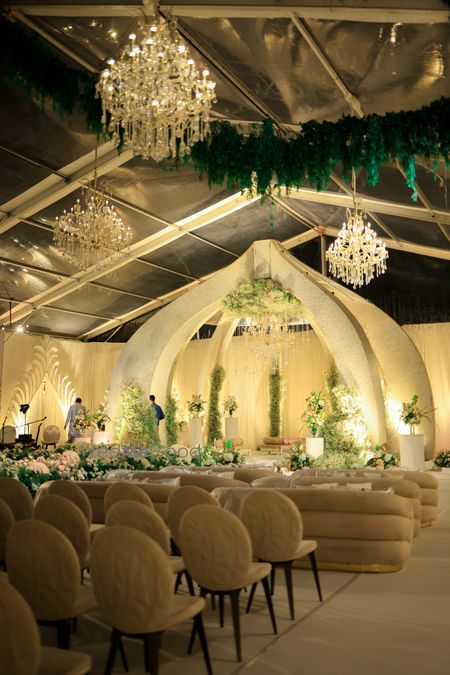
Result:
x=367 y=625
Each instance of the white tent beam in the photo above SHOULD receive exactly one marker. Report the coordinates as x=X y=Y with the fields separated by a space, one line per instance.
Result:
x=391 y=11
x=223 y=208
x=53 y=188
x=351 y=100
x=369 y=204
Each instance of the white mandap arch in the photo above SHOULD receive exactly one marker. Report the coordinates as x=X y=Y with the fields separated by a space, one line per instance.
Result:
x=366 y=344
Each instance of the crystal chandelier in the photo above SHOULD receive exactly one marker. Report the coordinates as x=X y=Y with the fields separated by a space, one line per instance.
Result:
x=357 y=254
x=153 y=96
x=91 y=232
x=269 y=337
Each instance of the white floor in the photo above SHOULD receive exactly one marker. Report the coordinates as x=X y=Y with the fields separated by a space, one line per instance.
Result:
x=367 y=625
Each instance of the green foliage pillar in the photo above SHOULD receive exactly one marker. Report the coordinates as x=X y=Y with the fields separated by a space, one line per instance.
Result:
x=214 y=418
x=171 y=421
x=275 y=402
x=135 y=423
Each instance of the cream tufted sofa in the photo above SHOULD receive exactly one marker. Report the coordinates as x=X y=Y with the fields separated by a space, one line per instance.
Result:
x=355 y=531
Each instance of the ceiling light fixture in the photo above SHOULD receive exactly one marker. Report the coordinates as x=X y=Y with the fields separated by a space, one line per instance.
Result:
x=153 y=96
x=92 y=231
x=357 y=254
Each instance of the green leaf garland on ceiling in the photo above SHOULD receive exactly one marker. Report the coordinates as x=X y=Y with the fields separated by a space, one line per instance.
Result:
x=262 y=158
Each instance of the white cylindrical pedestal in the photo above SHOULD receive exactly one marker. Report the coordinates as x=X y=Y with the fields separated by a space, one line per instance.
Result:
x=101 y=437
x=314 y=446
x=231 y=427
x=195 y=431
x=412 y=452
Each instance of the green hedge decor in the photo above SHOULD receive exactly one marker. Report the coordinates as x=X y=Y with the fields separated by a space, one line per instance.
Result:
x=214 y=423
x=135 y=422
x=252 y=160
x=171 y=421
x=275 y=402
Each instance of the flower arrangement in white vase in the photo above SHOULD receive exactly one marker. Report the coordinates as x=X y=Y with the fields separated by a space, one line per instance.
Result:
x=230 y=405
x=412 y=415
x=314 y=413
x=196 y=406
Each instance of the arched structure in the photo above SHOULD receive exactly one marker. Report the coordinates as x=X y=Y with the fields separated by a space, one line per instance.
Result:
x=364 y=342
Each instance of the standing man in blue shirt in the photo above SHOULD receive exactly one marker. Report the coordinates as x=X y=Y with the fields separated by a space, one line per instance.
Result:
x=157 y=409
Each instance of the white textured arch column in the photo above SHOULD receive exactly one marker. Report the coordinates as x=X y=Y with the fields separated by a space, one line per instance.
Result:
x=400 y=362
x=343 y=335
x=148 y=357
x=219 y=344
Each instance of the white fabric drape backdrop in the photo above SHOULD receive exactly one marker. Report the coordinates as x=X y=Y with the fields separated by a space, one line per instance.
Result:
x=87 y=368
x=433 y=343
x=247 y=379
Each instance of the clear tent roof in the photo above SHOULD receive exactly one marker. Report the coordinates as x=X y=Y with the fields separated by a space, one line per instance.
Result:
x=268 y=61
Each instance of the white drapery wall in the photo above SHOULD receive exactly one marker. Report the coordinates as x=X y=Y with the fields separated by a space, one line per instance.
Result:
x=433 y=343
x=70 y=368
x=247 y=379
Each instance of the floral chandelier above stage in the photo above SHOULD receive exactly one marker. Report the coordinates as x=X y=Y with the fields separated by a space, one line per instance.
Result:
x=357 y=254
x=154 y=94
x=92 y=230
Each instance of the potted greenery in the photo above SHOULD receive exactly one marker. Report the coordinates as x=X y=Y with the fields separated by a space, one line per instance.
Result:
x=231 y=423
x=313 y=417
x=442 y=461
x=230 y=405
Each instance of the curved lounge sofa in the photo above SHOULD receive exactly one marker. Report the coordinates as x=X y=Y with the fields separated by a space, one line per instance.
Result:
x=355 y=531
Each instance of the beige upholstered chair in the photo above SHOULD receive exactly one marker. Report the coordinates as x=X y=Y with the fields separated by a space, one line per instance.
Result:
x=218 y=554
x=17 y=497
x=121 y=490
x=68 y=519
x=68 y=489
x=180 y=501
x=276 y=530
x=145 y=519
x=7 y=520
x=135 y=602
x=20 y=643
x=51 y=435
x=44 y=567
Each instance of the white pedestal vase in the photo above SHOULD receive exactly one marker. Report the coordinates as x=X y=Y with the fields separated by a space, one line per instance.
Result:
x=83 y=440
x=412 y=452
x=195 y=431
x=314 y=446
x=231 y=427
x=101 y=437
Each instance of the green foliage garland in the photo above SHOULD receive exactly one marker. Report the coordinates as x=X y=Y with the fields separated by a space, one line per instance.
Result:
x=232 y=158
x=34 y=67
x=214 y=417
x=171 y=421
x=275 y=402
x=135 y=423
x=261 y=298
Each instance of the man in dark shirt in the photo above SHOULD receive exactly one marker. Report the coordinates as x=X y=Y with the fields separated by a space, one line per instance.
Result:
x=157 y=409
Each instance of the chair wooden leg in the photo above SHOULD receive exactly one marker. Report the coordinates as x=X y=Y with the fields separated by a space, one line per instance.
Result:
x=194 y=625
x=63 y=633
x=177 y=582
x=213 y=602
x=123 y=656
x=115 y=641
x=234 y=595
x=189 y=583
x=265 y=583
x=198 y=622
x=152 y=643
x=250 y=597
x=290 y=592
x=272 y=580
x=312 y=558
x=221 y=608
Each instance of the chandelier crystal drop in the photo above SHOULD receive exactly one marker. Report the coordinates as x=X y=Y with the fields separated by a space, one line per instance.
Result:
x=92 y=232
x=357 y=254
x=153 y=96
